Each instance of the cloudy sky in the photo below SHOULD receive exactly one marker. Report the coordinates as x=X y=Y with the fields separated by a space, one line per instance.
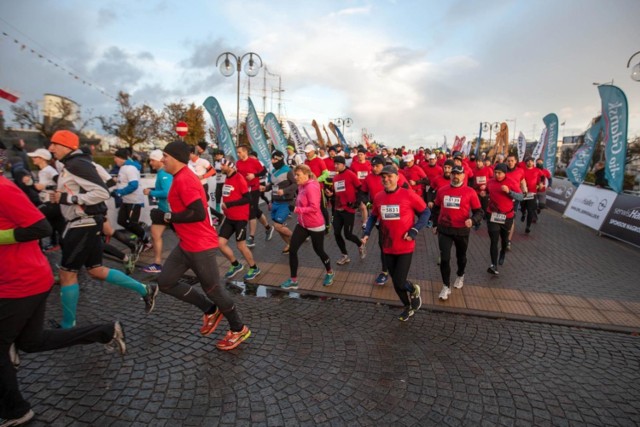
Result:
x=409 y=71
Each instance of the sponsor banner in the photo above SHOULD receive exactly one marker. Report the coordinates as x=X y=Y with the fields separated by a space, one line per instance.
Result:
x=623 y=221
x=616 y=119
x=522 y=147
x=256 y=136
x=550 y=142
x=297 y=138
x=559 y=194
x=225 y=142
x=579 y=164
x=275 y=132
x=590 y=205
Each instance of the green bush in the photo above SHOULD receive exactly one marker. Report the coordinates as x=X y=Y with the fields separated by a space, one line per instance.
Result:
x=104 y=160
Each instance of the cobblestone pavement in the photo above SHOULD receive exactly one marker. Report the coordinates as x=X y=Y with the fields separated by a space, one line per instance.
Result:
x=334 y=363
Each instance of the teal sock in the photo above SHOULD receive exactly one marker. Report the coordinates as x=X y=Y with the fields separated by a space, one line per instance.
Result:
x=118 y=278
x=69 y=296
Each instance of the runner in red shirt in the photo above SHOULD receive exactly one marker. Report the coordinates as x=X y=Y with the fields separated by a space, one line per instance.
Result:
x=26 y=280
x=456 y=209
x=431 y=168
x=415 y=175
x=345 y=189
x=516 y=174
x=532 y=176
x=482 y=175
x=196 y=251
x=502 y=192
x=458 y=160
x=396 y=209
x=362 y=168
x=542 y=188
x=439 y=181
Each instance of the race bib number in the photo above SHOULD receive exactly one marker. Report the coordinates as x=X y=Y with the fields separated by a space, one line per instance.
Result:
x=390 y=212
x=362 y=174
x=452 y=202
x=226 y=190
x=498 y=218
x=332 y=173
x=274 y=190
x=481 y=180
x=220 y=177
x=339 y=186
x=529 y=196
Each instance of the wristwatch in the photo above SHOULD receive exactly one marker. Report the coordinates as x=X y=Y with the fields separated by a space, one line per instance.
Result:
x=74 y=200
x=167 y=217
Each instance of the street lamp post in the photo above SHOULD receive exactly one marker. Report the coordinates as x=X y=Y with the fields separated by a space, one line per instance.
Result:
x=635 y=71
x=491 y=127
x=251 y=68
x=344 y=121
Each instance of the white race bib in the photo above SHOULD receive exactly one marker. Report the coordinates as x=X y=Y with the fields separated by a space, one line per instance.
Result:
x=390 y=212
x=362 y=174
x=481 y=180
x=226 y=190
x=498 y=218
x=452 y=202
x=339 y=186
x=332 y=173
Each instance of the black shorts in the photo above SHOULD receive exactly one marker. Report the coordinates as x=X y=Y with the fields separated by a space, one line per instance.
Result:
x=82 y=246
x=229 y=227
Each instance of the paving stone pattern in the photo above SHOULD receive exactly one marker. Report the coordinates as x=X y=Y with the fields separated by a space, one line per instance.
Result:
x=331 y=363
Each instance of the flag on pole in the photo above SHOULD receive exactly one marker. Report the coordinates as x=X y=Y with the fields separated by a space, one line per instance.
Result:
x=522 y=147
x=579 y=164
x=275 y=132
x=256 y=136
x=550 y=142
x=297 y=138
x=220 y=124
x=616 y=118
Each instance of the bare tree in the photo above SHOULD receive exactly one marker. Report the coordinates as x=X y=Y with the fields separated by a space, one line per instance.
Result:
x=132 y=124
x=67 y=116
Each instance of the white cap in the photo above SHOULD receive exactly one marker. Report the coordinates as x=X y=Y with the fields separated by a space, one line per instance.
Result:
x=408 y=157
x=432 y=156
x=309 y=148
x=41 y=152
x=156 y=155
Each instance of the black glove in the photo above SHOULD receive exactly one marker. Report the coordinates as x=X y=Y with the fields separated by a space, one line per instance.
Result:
x=157 y=216
x=413 y=233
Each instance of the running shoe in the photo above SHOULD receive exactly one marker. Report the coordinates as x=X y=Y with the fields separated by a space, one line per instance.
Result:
x=150 y=298
x=406 y=314
x=117 y=343
x=501 y=258
x=233 y=270
x=250 y=242
x=269 y=233
x=24 y=419
x=252 y=273
x=153 y=268
x=289 y=284
x=492 y=270
x=129 y=264
x=344 y=259
x=210 y=322
x=416 y=301
x=527 y=230
x=363 y=251
x=285 y=250
x=509 y=245
x=328 y=279
x=233 y=339
x=382 y=278
x=444 y=293
x=459 y=282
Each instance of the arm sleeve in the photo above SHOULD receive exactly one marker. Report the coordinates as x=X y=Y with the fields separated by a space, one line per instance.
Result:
x=35 y=231
x=130 y=188
x=244 y=200
x=193 y=213
x=422 y=221
x=370 y=223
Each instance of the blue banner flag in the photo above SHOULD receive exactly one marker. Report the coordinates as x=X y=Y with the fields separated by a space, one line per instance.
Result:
x=275 y=132
x=225 y=142
x=256 y=137
x=551 y=143
x=616 y=118
x=579 y=165
x=341 y=139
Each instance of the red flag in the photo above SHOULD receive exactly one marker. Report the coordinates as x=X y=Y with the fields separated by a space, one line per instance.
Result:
x=8 y=96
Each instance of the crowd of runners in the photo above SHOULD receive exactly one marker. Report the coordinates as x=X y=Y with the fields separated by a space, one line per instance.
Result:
x=310 y=195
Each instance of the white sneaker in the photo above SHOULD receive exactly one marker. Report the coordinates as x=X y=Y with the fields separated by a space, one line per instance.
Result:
x=444 y=293
x=459 y=283
x=344 y=259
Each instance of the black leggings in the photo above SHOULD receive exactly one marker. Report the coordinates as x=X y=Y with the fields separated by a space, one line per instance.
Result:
x=298 y=237
x=498 y=232
x=445 y=242
x=530 y=207
x=129 y=218
x=344 y=219
x=399 y=270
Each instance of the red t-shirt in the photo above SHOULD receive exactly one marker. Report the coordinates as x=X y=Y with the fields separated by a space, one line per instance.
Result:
x=482 y=178
x=362 y=170
x=250 y=165
x=532 y=177
x=233 y=189
x=456 y=204
x=516 y=175
x=372 y=185
x=345 y=185
x=24 y=270
x=415 y=173
x=396 y=212
x=499 y=201
x=316 y=165
x=431 y=171
x=194 y=236
x=329 y=163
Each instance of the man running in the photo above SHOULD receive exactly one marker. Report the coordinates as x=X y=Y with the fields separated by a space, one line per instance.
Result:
x=282 y=184
x=196 y=251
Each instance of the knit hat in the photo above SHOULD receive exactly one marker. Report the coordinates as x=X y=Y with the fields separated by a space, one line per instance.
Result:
x=179 y=150
x=377 y=160
x=501 y=167
x=156 y=155
x=122 y=153
x=66 y=138
x=449 y=162
x=277 y=154
x=228 y=163
x=339 y=159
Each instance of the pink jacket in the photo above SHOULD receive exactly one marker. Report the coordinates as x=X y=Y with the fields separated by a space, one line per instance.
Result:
x=308 y=205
